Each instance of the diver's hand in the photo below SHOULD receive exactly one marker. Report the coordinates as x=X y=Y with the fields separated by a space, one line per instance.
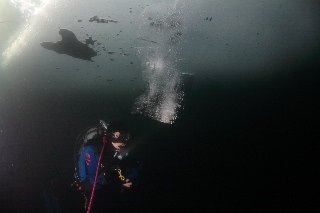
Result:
x=127 y=184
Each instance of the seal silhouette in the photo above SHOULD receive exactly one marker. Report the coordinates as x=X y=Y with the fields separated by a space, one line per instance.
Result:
x=71 y=46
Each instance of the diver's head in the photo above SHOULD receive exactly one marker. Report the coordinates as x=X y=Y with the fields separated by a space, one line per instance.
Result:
x=118 y=135
x=119 y=139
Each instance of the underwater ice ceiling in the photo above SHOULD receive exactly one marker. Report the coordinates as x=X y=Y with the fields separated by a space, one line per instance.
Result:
x=161 y=41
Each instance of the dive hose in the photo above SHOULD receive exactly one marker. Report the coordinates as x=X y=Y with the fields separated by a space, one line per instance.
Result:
x=96 y=176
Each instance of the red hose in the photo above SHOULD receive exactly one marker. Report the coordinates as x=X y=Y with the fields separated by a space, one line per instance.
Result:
x=96 y=177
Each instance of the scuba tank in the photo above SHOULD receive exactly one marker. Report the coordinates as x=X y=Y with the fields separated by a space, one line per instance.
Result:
x=81 y=141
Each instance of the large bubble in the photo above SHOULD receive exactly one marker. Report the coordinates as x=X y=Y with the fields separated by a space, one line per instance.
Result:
x=162 y=27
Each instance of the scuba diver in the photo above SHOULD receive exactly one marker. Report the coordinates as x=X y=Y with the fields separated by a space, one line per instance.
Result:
x=103 y=168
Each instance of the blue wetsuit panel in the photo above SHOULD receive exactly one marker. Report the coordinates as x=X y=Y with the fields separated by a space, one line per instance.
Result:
x=88 y=163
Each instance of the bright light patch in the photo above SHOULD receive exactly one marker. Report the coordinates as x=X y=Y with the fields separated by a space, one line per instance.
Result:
x=29 y=9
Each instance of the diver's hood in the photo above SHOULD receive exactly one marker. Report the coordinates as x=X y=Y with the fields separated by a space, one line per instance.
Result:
x=122 y=138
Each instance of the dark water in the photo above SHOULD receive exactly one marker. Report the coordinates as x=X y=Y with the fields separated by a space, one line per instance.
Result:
x=239 y=145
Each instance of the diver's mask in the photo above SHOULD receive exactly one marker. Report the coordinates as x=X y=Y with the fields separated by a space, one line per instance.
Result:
x=119 y=137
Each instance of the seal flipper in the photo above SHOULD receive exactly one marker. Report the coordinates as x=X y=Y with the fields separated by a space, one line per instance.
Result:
x=48 y=45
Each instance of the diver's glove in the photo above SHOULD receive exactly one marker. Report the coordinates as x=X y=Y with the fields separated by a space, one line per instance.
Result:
x=127 y=183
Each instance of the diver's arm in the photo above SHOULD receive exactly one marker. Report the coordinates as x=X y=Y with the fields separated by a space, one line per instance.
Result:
x=82 y=166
